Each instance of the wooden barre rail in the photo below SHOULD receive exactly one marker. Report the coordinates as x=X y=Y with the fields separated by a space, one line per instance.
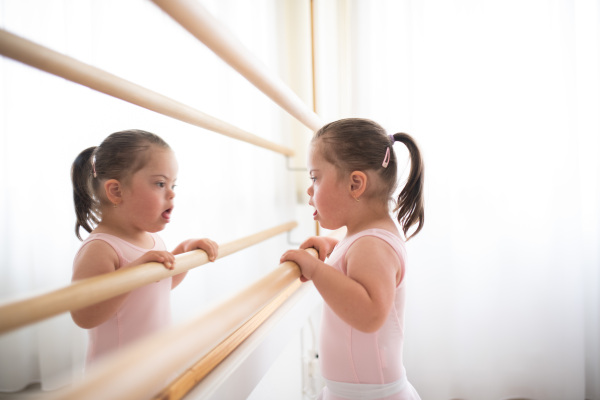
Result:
x=141 y=370
x=66 y=67
x=181 y=386
x=199 y=22
x=93 y=290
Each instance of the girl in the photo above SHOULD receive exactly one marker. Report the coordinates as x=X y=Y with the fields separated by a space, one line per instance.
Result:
x=125 y=188
x=353 y=168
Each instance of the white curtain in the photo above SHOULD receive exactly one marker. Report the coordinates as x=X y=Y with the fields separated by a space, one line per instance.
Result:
x=504 y=99
x=226 y=189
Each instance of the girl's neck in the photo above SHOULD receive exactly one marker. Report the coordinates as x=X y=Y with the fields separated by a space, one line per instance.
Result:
x=367 y=217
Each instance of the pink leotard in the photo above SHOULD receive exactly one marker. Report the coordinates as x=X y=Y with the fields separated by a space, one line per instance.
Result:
x=359 y=365
x=144 y=311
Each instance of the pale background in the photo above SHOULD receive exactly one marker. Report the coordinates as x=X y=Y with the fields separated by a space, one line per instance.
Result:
x=503 y=98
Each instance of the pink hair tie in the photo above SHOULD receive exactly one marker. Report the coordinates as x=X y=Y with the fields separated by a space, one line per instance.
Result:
x=94 y=167
x=386 y=159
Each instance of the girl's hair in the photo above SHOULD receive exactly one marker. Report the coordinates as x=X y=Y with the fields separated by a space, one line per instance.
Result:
x=118 y=157
x=355 y=144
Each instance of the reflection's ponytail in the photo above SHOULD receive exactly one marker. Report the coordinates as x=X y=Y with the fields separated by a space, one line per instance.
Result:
x=86 y=205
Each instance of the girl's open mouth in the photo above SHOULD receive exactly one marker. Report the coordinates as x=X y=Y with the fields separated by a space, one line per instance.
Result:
x=167 y=214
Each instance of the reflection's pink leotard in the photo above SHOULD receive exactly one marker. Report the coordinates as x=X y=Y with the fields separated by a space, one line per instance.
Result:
x=359 y=365
x=144 y=311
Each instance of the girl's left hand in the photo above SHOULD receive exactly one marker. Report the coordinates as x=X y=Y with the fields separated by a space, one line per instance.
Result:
x=210 y=247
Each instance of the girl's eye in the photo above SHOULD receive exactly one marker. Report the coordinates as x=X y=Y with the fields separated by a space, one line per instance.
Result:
x=313 y=178
x=160 y=184
x=173 y=187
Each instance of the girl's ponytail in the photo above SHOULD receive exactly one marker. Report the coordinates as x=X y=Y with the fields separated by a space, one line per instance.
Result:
x=410 y=201
x=86 y=206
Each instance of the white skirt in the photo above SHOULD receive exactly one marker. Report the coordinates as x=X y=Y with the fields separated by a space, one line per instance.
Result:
x=398 y=390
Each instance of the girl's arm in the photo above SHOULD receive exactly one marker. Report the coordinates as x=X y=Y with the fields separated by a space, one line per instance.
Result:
x=98 y=258
x=211 y=248
x=363 y=298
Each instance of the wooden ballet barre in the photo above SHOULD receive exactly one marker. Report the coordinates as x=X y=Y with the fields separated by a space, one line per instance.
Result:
x=66 y=67
x=181 y=386
x=199 y=22
x=142 y=369
x=92 y=290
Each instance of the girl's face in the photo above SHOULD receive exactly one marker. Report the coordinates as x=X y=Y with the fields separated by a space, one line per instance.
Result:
x=148 y=196
x=329 y=195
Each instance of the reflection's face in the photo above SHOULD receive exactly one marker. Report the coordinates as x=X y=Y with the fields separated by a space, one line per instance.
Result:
x=149 y=195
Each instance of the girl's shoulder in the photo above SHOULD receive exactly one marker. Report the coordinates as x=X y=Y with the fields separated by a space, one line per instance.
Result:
x=378 y=247
x=390 y=237
x=95 y=256
x=98 y=241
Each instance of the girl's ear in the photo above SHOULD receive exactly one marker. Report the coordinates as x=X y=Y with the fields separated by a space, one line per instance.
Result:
x=358 y=184
x=112 y=187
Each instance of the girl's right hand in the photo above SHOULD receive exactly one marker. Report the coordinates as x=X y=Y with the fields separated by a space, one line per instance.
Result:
x=323 y=244
x=307 y=263
x=164 y=257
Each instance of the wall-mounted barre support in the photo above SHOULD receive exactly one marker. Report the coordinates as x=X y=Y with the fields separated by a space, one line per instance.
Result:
x=141 y=370
x=93 y=290
x=199 y=22
x=66 y=67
